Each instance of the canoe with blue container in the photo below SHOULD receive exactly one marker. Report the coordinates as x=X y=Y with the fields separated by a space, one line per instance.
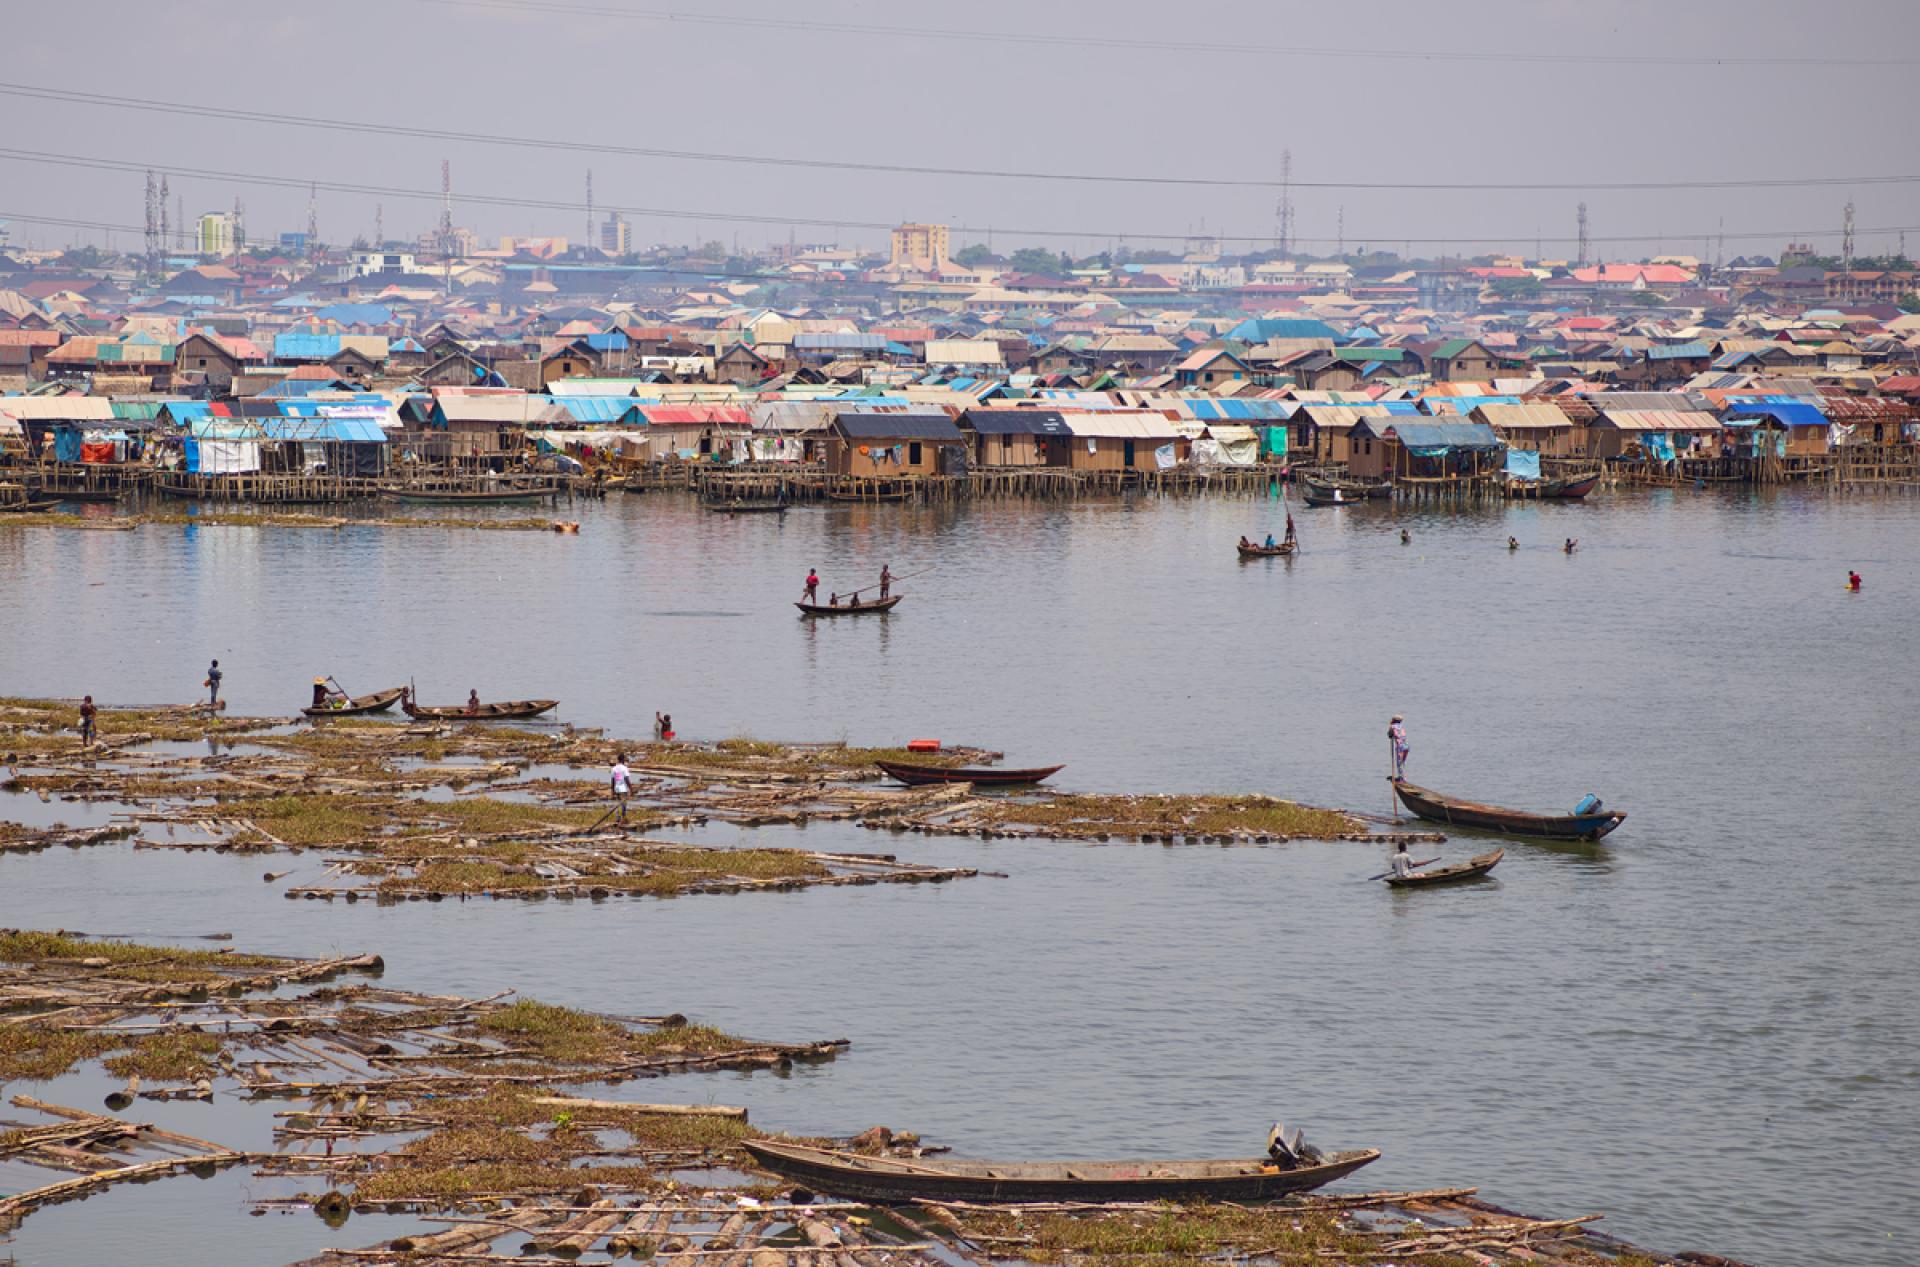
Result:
x=1589 y=821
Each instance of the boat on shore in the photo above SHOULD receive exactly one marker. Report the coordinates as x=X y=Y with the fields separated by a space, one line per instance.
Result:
x=851 y=609
x=1436 y=807
x=509 y=710
x=360 y=705
x=889 y=1179
x=1472 y=869
x=924 y=775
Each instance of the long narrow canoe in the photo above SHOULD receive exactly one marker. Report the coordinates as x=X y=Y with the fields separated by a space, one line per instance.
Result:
x=888 y=1179
x=922 y=775
x=1570 y=489
x=748 y=507
x=1472 y=869
x=466 y=497
x=1436 y=807
x=359 y=705
x=486 y=712
x=31 y=506
x=851 y=609
x=1266 y=552
x=1351 y=490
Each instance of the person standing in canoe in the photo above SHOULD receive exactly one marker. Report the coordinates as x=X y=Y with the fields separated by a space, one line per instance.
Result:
x=1290 y=538
x=88 y=713
x=621 y=784
x=886 y=581
x=213 y=685
x=1397 y=738
x=812 y=594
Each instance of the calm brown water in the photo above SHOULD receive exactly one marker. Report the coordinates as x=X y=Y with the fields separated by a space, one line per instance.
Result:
x=1706 y=1028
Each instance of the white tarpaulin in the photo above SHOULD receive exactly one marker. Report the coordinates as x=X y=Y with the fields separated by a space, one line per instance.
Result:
x=228 y=457
x=1163 y=456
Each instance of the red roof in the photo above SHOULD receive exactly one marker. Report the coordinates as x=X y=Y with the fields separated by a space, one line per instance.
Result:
x=695 y=415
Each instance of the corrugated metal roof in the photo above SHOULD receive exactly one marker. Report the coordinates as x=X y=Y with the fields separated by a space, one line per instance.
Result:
x=1658 y=420
x=1432 y=435
x=1797 y=413
x=1110 y=425
x=858 y=425
x=1530 y=417
x=1679 y=352
x=1016 y=422
x=305 y=347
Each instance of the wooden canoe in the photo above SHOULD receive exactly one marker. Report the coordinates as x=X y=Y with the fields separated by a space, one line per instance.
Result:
x=486 y=712
x=466 y=497
x=1267 y=552
x=359 y=705
x=31 y=506
x=1438 y=808
x=887 y=1179
x=748 y=508
x=922 y=775
x=1351 y=490
x=1570 y=489
x=852 y=609
x=1472 y=869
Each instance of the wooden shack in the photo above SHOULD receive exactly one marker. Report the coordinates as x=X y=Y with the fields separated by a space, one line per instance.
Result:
x=1535 y=426
x=1117 y=440
x=1403 y=446
x=1661 y=434
x=1014 y=437
x=884 y=445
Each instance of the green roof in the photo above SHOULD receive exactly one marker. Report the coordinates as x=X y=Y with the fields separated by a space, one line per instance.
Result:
x=1453 y=347
x=1365 y=355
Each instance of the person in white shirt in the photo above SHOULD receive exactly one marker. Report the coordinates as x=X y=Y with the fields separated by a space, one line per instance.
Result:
x=1402 y=861
x=622 y=784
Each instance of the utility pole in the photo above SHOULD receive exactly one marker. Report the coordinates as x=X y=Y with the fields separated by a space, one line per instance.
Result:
x=1581 y=258
x=1284 y=210
x=1846 y=238
x=153 y=224
x=446 y=208
x=313 y=220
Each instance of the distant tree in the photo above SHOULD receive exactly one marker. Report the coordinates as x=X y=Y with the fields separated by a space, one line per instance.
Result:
x=88 y=256
x=1911 y=303
x=1034 y=259
x=974 y=255
x=1516 y=287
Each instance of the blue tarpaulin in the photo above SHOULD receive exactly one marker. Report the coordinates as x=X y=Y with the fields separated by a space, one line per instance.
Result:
x=1523 y=464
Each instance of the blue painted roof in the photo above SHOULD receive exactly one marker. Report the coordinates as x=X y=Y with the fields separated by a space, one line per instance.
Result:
x=340 y=430
x=1260 y=329
x=305 y=347
x=1464 y=405
x=356 y=314
x=1679 y=352
x=1434 y=435
x=608 y=341
x=313 y=408
x=590 y=409
x=1791 y=413
x=1210 y=409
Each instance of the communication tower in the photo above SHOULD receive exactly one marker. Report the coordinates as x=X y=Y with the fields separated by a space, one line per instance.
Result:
x=1581 y=257
x=1846 y=238
x=153 y=223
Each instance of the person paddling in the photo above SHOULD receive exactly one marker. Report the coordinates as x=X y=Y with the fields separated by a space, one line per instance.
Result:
x=1402 y=862
x=886 y=581
x=1397 y=737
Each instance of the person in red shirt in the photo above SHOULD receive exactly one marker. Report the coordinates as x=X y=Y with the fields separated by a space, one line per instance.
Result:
x=813 y=587
x=1853 y=581
x=87 y=715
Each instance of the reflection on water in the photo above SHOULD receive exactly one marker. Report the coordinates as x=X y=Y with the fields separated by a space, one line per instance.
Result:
x=1659 y=1026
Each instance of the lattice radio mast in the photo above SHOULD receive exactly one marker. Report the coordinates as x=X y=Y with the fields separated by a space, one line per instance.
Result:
x=239 y=226
x=153 y=223
x=1846 y=238
x=166 y=227
x=1581 y=258
x=313 y=220
x=446 y=207
x=1283 y=211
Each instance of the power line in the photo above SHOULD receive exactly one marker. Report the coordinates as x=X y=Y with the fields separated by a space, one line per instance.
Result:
x=1283 y=238
x=190 y=109
x=1755 y=235
x=1158 y=47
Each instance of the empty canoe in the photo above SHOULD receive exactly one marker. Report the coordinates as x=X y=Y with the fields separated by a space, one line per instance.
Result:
x=1438 y=808
x=889 y=1179
x=922 y=775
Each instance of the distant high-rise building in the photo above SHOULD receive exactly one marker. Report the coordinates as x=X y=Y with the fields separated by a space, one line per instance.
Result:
x=616 y=235
x=919 y=248
x=218 y=232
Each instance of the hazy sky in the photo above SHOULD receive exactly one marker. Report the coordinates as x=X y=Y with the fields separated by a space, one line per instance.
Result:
x=1403 y=92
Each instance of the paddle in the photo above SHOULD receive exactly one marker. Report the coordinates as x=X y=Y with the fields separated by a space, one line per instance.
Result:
x=893 y=580
x=1385 y=874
